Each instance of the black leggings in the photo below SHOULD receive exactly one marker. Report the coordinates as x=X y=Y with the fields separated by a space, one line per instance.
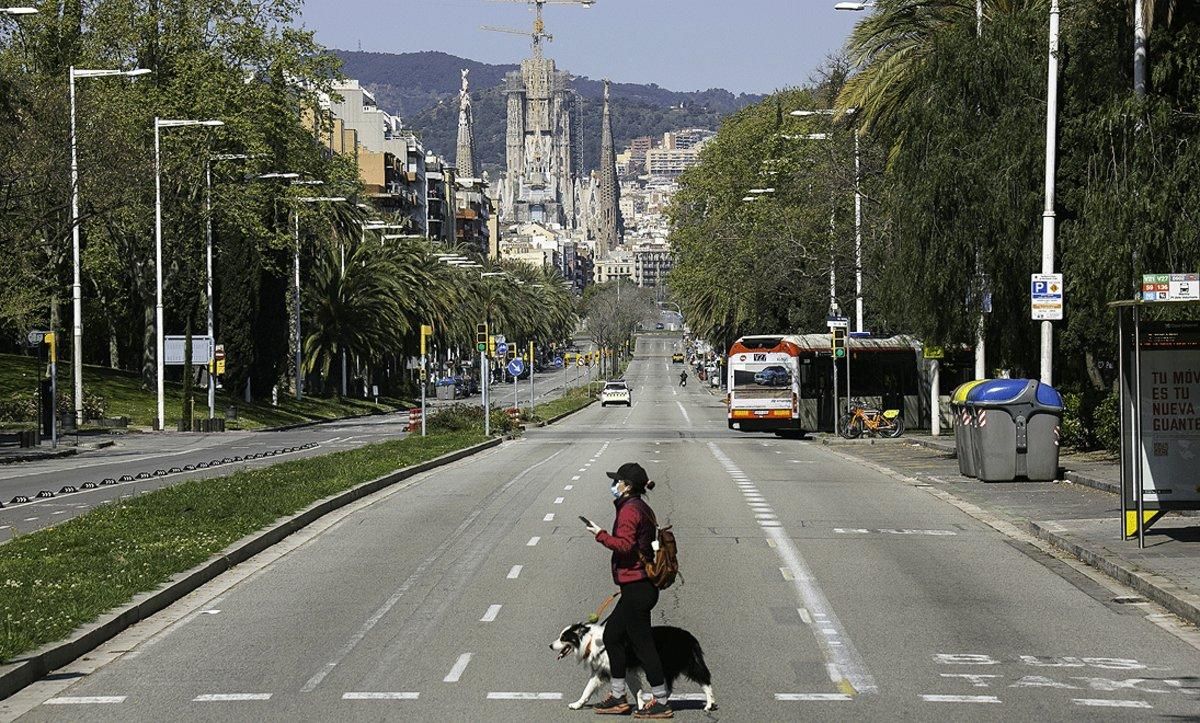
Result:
x=629 y=625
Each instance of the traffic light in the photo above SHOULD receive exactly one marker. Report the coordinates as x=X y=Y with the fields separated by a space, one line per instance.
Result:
x=837 y=338
x=481 y=337
x=512 y=352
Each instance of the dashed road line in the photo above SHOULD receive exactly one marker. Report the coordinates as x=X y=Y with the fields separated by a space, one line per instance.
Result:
x=576 y=477
x=568 y=488
x=230 y=697
x=523 y=696
x=960 y=699
x=457 y=670
x=490 y=615
x=515 y=572
x=811 y=696
x=85 y=700
x=559 y=500
x=1108 y=703
x=533 y=541
x=371 y=695
x=804 y=616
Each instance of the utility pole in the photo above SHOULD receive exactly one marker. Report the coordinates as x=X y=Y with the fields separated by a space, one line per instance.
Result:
x=1048 y=219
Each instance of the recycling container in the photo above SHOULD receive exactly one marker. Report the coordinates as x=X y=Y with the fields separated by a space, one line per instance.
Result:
x=963 y=448
x=1015 y=425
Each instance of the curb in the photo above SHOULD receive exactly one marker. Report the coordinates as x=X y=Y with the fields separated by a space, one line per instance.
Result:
x=315 y=422
x=36 y=665
x=1079 y=479
x=1173 y=597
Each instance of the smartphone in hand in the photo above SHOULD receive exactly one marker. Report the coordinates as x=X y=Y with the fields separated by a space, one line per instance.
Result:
x=586 y=522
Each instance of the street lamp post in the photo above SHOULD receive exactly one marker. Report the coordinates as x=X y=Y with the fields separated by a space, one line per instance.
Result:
x=208 y=262
x=159 y=124
x=296 y=276
x=1048 y=220
x=76 y=286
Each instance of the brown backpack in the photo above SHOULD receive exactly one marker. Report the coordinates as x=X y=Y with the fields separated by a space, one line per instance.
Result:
x=664 y=568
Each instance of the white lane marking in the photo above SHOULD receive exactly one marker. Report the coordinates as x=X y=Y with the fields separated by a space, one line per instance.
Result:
x=381 y=696
x=85 y=700
x=568 y=488
x=412 y=579
x=804 y=616
x=811 y=696
x=559 y=500
x=683 y=411
x=60 y=512
x=851 y=670
x=210 y=612
x=770 y=543
x=575 y=478
x=533 y=541
x=1106 y=703
x=228 y=697
x=457 y=670
x=523 y=696
x=960 y=699
x=515 y=572
x=787 y=574
x=549 y=517
x=582 y=469
x=29 y=519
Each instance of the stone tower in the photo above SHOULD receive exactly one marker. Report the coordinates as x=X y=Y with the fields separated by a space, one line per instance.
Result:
x=465 y=158
x=541 y=150
x=610 y=228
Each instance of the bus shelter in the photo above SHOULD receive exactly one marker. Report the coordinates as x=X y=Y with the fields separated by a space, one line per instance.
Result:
x=1159 y=379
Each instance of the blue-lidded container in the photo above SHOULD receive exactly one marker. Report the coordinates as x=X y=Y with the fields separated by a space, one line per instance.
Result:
x=1015 y=429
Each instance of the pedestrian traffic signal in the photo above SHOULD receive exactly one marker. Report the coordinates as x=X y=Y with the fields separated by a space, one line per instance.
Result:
x=837 y=337
x=481 y=337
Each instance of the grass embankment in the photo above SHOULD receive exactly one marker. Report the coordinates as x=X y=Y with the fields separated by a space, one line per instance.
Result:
x=572 y=399
x=127 y=395
x=56 y=579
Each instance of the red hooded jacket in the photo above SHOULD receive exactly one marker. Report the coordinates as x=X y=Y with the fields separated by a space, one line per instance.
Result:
x=633 y=530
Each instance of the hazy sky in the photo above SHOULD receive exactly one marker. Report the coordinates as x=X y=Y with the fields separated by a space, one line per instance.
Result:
x=742 y=45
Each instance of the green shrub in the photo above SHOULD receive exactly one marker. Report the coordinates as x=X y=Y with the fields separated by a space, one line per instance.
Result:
x=1107 y=424
x=1076 y=423
x=468 y=418
x=19 y=408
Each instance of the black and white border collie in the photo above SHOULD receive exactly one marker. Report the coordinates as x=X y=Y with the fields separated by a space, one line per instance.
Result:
x=678 y=650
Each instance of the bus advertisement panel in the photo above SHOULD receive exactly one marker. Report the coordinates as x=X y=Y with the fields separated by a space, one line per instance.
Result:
x=763 y=385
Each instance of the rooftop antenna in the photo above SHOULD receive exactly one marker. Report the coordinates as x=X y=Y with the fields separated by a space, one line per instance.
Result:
x=538 y=34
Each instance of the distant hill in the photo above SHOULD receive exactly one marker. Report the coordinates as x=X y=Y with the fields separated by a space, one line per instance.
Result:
x=423 y=89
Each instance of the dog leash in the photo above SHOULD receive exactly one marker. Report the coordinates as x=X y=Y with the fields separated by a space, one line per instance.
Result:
x=595 y=618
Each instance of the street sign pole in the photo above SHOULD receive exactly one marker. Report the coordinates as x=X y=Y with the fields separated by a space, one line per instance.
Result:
x=532 y=403
x=483 y=378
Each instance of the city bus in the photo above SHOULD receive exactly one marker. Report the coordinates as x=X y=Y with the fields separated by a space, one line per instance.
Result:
x=783 y=383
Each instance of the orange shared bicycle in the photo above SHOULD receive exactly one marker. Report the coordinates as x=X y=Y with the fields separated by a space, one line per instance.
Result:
x=861 y=418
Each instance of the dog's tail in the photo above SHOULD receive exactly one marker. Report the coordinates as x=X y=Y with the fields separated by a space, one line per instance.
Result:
x=697 y=670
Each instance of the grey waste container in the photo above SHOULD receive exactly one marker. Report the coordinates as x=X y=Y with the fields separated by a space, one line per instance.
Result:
x=963 y=428
x=1015 y=429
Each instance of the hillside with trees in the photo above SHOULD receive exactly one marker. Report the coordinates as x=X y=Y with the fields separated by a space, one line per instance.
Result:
x=423 y=89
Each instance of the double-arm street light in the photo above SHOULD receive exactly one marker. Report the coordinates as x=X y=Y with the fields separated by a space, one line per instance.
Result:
x=159 y=124
x=76 y=287
x=859 y=323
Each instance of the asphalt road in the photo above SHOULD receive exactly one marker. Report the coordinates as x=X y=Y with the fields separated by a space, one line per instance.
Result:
x=172 y=453
x=820 y=589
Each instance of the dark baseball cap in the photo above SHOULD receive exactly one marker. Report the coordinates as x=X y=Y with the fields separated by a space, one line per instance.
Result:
x=631 y=472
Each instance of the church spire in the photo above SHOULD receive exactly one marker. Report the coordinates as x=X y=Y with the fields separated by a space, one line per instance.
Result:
x=466 y=160
x=611 y=229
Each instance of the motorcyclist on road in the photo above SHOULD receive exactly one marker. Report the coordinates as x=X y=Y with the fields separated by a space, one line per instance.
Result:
x=683 y=378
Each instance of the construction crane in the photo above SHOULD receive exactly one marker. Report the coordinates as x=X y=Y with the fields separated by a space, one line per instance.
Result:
x=538 y=34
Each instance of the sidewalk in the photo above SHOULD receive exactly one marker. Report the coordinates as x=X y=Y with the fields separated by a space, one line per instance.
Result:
x=1079 y=515
x=15 y=455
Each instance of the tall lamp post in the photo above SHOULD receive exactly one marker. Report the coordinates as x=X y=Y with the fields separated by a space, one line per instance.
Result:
x=208 y=262
x=858 y=266
x=296 y=275
x=76 y=287
x=1048 y=219
x=159 y=124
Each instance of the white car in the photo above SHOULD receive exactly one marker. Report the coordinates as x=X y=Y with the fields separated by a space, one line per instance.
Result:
x=616 y=393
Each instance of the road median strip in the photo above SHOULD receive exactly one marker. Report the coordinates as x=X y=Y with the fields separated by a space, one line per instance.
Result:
x=72 y=587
